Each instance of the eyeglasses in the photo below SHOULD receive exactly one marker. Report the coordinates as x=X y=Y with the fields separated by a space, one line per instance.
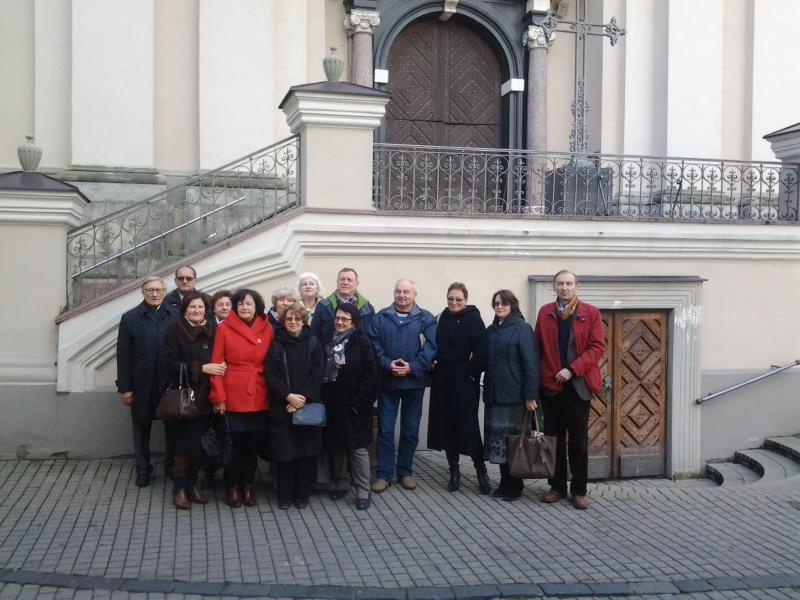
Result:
x=454 y=299
x=153 y=290
x=502 y=303
x=343 y=319
x=185 y=278
x=293 y=319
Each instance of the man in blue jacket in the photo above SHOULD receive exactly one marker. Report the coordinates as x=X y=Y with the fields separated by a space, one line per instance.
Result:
x=404 y=338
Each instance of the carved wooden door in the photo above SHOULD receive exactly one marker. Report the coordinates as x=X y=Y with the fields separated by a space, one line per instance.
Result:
x=445 y=84
x=627 y=426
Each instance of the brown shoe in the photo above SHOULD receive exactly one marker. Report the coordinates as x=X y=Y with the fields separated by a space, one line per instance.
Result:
x=181 y=500
x=248 y=496
x=234 y=501
x=408 y=482
x=580 y=502
x=196 y=496
x=379 y=486
x=551 y=496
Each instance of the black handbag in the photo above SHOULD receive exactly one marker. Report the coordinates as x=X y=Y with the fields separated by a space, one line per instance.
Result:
x=217 y=442
x=531 y=456
x=313 y=414
x=177 y=404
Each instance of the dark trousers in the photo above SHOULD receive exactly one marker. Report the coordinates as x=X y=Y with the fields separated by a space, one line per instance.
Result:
x=566 y=417
x=242 y=470
x=510 y=485
x=295 y=478
x=169 y=450
x=141 y=447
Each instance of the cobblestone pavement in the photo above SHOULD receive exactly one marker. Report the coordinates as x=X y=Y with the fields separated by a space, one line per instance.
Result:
x=81 y=529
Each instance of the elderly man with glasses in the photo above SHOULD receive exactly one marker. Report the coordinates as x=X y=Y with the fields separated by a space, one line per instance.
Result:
x=141 y=376
x=185 y=283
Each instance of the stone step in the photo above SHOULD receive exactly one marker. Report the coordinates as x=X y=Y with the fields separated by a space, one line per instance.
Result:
x=787 y=445
x=731 y=474
x=771 y=465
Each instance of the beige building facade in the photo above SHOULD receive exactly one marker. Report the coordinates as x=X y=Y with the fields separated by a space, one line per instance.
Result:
x=123 y=97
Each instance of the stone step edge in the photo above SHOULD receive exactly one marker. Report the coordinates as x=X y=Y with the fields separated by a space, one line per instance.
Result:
x=715 y=473
x=779 y=444
x=455 y=592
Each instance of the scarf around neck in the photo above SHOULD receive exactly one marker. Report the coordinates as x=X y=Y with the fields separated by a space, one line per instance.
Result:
x=335 y=355
x=564 y=311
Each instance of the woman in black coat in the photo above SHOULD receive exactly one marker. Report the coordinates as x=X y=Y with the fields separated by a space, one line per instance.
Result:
x=294 y=366
x=455 y=386
x=189 y=342
x=511 y=385
x=350 y=388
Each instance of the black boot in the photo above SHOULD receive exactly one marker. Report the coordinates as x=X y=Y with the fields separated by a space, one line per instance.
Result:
x=484 y=485
x=455 y=478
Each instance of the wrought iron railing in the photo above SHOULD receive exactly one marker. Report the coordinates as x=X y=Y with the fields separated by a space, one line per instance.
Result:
x=425 y=179
x=204 y=210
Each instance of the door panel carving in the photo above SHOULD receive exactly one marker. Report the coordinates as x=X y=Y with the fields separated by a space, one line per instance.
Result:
x=627 y=436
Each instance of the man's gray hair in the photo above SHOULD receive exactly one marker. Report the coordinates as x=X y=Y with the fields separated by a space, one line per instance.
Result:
x=564 y=272
x=151 y=279
x=411 y=281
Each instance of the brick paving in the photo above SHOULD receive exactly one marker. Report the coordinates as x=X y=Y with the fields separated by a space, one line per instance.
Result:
x=81 y=529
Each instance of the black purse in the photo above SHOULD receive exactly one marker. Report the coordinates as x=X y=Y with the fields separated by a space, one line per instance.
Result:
x=177 y=404
x=217 y=442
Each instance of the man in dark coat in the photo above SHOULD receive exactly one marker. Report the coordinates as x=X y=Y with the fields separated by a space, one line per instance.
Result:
x=141 y=376
x=404 y=338
x=571 y=342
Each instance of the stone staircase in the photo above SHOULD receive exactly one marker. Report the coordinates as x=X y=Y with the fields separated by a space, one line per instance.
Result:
x=777 y=460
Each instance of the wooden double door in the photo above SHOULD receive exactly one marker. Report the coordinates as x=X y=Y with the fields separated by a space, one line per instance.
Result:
x=627 y=421
x=445 y=84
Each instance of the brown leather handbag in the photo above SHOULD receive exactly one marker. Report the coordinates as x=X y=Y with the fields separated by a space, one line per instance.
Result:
x=531 y=456
x=177 y=404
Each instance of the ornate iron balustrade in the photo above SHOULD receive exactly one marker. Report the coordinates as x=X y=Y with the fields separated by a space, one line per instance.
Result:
x=426 y=179
x=204 y=210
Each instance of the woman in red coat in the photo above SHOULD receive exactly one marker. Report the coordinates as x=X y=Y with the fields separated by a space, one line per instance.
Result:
x=242 y=342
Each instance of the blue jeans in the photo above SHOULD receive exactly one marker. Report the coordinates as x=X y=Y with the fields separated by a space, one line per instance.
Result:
x=410 y=415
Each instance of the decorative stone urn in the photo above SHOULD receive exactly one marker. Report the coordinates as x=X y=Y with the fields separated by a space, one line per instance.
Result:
x=29 y=154
x=333 y=65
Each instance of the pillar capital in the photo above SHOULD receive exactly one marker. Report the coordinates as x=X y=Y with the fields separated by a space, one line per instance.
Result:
x=535 y=37
x=361 y=21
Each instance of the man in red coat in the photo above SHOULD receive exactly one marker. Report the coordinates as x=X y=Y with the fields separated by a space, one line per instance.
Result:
x=571 y=342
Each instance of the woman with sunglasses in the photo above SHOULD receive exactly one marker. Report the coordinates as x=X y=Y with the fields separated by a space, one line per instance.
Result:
x=455 y=386
x=511 y=385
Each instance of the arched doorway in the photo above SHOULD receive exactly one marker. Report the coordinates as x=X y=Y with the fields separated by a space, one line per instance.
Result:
x=445 y=82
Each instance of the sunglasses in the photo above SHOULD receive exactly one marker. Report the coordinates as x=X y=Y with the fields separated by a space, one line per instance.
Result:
x=454 y=299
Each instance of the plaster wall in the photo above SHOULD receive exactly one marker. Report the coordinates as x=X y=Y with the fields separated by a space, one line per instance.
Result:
x=694 y=76
x=775 y=87
x=737 y=77
x=612 y=122
x=237 y=97
x=112 y=82
x=53 y=81
x=176 y=75
x=16 y=73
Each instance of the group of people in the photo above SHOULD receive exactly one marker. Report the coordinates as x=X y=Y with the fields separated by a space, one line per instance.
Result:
x=253 y=368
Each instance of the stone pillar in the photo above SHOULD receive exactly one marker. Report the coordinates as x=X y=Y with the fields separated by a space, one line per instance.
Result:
x=535 y=40
x=360 y=25
x=335 y=121
x=537 y=44
x=36 y=212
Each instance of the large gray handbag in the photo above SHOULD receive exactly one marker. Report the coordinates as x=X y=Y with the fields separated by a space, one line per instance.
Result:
x=531 y=456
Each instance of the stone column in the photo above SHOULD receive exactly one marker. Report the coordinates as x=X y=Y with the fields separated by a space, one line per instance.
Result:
x=335 y=124
x=537 y=44
x=360 y=25
x=535 y=40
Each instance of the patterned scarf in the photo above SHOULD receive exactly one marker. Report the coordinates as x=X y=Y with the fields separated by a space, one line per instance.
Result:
x=335 y=355
x=564 y=311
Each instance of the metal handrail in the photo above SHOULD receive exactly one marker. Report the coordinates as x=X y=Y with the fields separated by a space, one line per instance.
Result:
x=204 y=210
x=748 y=382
